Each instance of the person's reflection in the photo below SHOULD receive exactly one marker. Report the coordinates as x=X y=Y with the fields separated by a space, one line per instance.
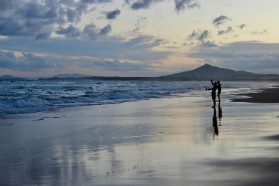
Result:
x=220 y=114
x=214 y=123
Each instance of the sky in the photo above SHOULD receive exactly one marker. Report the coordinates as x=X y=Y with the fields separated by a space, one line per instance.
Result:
x=137 y=37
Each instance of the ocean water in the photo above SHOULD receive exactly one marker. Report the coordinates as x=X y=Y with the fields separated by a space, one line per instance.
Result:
x=17 y=97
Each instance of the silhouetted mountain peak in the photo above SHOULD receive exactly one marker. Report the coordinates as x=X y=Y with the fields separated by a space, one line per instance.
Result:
x=208 y=72
x=206 y=66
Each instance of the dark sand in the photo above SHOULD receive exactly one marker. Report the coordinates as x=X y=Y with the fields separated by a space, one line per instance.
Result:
x=270 y=95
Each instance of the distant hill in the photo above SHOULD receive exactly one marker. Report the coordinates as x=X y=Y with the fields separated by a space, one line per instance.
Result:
x=203 y=73
x=70 y=76
x=65 y=76
x=207 y=72
x=8 y=77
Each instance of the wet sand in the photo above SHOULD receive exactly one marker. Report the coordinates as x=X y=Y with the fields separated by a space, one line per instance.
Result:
x=168 y=141
x=269 y=95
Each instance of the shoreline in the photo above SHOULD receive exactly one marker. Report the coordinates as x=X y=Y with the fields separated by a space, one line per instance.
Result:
x=167 y=141
x=267 y=95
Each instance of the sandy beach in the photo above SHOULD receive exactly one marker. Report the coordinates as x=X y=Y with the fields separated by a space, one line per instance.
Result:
x=166 y=141
x=269 y=95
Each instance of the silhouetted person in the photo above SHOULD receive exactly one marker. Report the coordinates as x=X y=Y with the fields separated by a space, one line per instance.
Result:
x=214 y=123
x=213 y=92
x=219 y=87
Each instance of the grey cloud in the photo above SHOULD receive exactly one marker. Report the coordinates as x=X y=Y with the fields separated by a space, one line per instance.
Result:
x=182 y=4
x=209 y=44
x=242 y=26
x=105 y=30
x=81 y=8
x=5 y=4
x=249 y=56
x=96 y=1
x=137 y=49
x=29 y=18
x=127 y=1
x=72 y=52
x=43 y=35
x=197 y=35
x=33 y=18
x=141 y=22
x=200 y=36
x=220 y=20
x=193 y=35
x=122 y=66
x=71 y=15
x=141 y=4
x=228 y=30
x=6 y=59
x=69 y=32
x=71 y=3
x=113 y=14
x=260 y=33
x=93 y=33
x=203 y=36
x=27 y=62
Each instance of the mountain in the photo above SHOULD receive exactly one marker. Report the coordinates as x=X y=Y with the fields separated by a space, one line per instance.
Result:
x=207 y=72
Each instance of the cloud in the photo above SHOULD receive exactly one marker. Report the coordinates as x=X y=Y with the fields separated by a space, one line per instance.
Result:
x=71 y=15
x=43 y=35
x=201 y=38
x=116 y=65
x=220 y=20
x=69 y=32
x=193 y=35
x=113 y=14
x=242 y=26
x=105 y=30
x=28 y=19
x=228 y=30
x=180 y=5
x=139 y=49
x=92 y=33
x=209 y=44
x=4 y=4
x=39 y=19
x=141 y=23
x=248 y=56
x=260 y=33
x=203 y=35
x=141 y=4
x=96 y=1
x=26 y=62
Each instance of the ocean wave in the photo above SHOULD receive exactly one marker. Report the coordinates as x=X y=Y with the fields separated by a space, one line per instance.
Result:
x=35 y=96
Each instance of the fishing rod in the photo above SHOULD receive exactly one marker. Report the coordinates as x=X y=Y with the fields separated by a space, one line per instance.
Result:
x=197 y=80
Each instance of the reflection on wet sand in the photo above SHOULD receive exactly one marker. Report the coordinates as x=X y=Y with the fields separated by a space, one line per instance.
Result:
x=220 y=113
x=215 y=121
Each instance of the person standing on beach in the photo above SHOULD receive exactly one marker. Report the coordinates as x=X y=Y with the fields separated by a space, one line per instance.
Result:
x=213 y=92
x=219 y=87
